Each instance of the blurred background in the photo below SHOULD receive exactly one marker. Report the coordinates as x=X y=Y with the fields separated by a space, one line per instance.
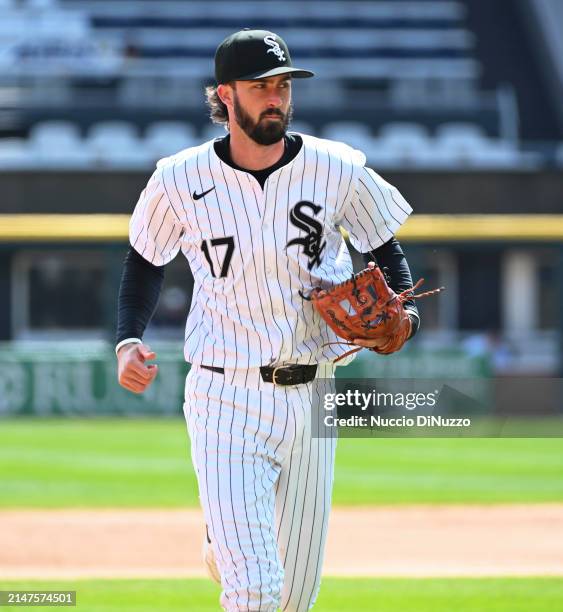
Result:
x=459 y=103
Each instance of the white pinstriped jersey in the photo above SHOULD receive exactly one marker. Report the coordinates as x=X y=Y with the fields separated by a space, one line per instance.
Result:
x=254 y=252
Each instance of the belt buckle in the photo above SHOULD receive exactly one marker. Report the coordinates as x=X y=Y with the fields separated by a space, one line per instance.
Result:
x=274 y=374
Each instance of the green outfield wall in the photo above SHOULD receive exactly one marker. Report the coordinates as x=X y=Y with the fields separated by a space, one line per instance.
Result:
x=74 y=380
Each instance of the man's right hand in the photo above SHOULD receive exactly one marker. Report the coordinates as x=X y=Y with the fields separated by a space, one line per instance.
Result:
x=132 y=372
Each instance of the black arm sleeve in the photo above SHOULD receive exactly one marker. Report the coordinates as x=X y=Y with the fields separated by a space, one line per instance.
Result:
x=391 y=259
x=139 y=291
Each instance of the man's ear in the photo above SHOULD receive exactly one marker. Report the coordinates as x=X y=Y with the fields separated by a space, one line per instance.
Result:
x=225 y=93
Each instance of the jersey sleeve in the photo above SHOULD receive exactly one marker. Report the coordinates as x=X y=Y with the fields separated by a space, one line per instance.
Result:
x=155 y=230
x=374 y=213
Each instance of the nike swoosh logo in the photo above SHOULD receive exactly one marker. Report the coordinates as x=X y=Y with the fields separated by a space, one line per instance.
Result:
x=198 y=196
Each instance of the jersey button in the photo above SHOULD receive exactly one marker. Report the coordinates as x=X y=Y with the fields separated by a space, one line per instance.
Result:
x=266 y=227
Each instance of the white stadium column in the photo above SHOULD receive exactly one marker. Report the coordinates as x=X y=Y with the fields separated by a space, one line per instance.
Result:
x=519 y=292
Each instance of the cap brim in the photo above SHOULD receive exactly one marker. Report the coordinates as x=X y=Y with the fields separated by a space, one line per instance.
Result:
x=296 y=73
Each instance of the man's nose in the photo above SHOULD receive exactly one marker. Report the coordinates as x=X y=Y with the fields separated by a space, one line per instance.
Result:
x=274 y=100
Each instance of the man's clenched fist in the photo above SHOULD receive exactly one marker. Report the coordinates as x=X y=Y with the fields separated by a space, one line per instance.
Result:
x=132 y=372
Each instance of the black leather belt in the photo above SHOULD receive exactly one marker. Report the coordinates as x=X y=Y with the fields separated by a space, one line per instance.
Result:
x=289 y=375
x=213 y=369
x=296 y=374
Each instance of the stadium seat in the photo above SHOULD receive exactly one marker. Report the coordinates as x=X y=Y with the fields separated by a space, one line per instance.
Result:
x=15 y=153
x=460 y=133
x=403 y=132
x=347 y=131
x=353 y=133
x=59 y=144
x=117 y=144
x=59 y=131
x=468 y=145
x=394 y=155
x=113 y=130
x=404 y=144
x=495 y=157
x=165 y=138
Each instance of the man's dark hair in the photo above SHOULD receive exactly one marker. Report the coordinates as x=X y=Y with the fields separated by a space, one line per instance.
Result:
x=217 y=110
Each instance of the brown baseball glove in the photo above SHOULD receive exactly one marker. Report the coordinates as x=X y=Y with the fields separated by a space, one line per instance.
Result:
x=366 y=312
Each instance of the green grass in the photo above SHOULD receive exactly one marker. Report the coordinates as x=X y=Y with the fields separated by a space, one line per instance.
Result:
x=431 y=470
x=146 y=463
x=337 y=595
x=93 y=463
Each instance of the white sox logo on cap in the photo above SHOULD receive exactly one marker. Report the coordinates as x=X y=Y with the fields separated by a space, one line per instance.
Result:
x=275 y=48
x=254 y=54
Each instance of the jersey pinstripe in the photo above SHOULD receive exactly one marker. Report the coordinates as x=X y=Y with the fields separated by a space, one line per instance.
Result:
x=255 y=252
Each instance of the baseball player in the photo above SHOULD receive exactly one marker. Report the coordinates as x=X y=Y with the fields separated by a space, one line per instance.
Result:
x=257 y=214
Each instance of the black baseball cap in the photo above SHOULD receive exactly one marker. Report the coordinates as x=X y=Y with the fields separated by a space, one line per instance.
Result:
x=254 y=54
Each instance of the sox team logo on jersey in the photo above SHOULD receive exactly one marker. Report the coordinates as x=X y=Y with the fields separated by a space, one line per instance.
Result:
x=312 y=242
x=275 y=48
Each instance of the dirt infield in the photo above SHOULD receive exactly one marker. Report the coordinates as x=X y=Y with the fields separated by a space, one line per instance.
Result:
x=383 y=541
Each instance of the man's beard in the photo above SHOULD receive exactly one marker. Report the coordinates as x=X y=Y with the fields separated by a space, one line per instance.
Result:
x=263 y=132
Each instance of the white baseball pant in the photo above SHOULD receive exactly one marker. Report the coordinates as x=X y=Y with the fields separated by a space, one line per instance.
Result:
x=265 y=486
